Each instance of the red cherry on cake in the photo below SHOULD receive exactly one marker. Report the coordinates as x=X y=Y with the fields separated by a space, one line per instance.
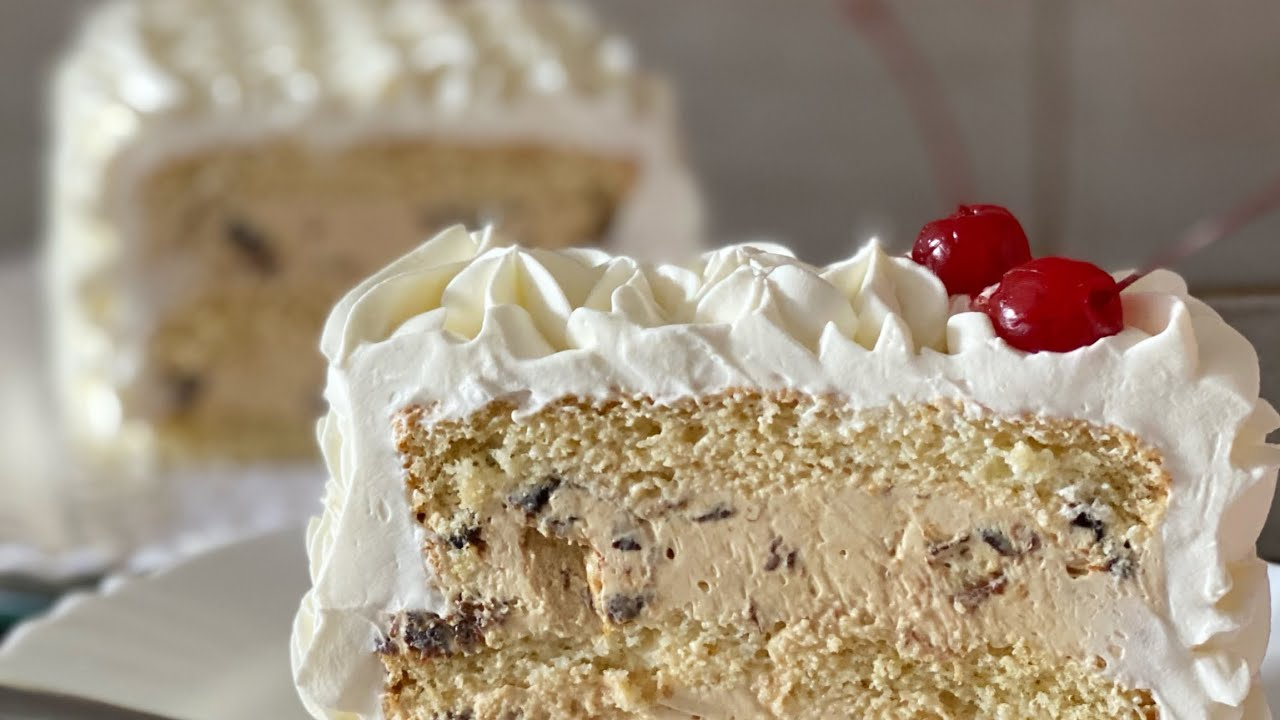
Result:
x=1054 y=304
x=970 y=249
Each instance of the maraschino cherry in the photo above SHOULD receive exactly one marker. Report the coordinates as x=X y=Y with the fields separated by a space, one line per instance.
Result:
x=972 y=248
x=1054 y=304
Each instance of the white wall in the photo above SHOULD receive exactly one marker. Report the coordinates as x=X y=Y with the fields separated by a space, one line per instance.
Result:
x=30 y=32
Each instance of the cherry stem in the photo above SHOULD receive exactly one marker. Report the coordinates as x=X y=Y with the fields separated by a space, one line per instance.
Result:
x=1211 y=230
x=936 y=119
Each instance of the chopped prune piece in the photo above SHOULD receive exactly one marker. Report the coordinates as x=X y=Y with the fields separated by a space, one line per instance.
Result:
x=432 y=635
x=945 y=547
x=626 y=544
x=185 y=389
x=253 y=245
x=1087 y=521
x=719 y=512
x=429 y=634
x=792 y=558
x=467 y=632
x=1123 y=567
x=560 y=526
x=467 y=537
x=624 y=608
x=775 y=560
x=1017 y=542
x=978 y=592
x=998 y=542
x=535 y=500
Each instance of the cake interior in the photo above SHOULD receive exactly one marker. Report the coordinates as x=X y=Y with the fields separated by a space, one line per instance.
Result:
x=246 y=248
x=771 y=555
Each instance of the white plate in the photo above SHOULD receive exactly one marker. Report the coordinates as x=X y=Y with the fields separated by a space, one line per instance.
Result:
x=210 y=637
x=206 y=639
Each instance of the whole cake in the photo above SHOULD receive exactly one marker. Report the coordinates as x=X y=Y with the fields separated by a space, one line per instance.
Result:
x=574 y=485
x=224 y=170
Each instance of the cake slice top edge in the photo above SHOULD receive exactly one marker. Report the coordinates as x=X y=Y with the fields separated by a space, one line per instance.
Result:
x=466 y=320
x=467 y=285
x=161 y=57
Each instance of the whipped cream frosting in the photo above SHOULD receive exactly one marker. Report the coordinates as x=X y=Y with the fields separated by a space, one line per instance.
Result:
x=463 y=321
x=150 y=80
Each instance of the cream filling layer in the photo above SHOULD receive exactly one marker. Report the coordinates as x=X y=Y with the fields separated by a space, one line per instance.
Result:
x=954 y=571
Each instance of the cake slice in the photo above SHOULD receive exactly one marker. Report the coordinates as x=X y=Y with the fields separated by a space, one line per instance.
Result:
x=574 y=485
x=224 y=170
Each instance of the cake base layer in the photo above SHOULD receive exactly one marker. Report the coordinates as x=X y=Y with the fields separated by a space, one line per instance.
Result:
x=247 y=248
x=822 y=668
x=776 y=553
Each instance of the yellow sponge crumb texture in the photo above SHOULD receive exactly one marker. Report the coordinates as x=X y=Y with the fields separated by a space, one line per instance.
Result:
x=615 y=625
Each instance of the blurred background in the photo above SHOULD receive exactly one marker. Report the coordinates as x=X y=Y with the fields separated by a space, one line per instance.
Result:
x=1107 y=127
